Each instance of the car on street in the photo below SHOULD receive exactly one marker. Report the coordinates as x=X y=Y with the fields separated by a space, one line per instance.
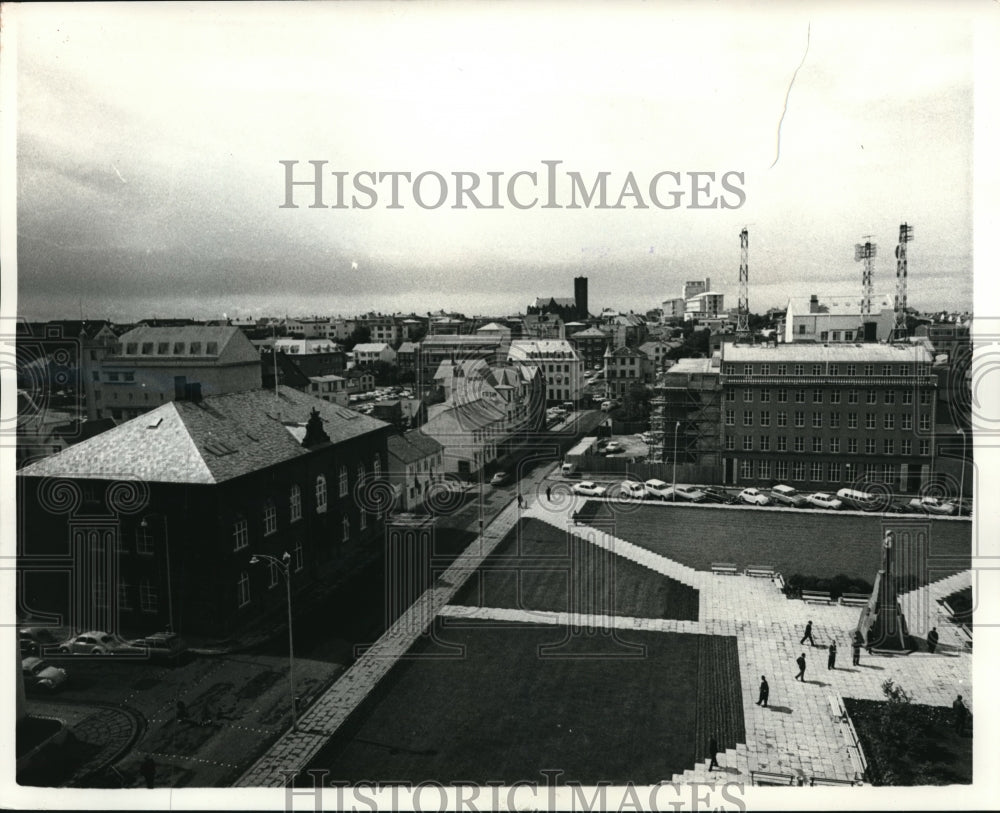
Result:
x=657 y=489
x=632 y=490
x=42 y=676
x=35 y=640
x=614 y=447
x=163 y=647
x=91 y=643
x=716 y=494
x=823 y=500
x=786 y=495
x=588 y=489
x=685 y=493
x=933 y=505
x=751 y=496
x=859 y=500
x=499 y=478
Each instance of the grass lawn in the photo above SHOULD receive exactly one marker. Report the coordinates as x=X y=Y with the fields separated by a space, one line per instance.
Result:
x=933 y=753
x=806 y=542
x=502 y=712
x=539 y=567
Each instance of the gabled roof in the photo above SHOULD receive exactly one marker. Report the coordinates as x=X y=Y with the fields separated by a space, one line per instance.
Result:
x=371 y=347
x=211 y=441
x=408 y=347
x=413 y=446
x=589 y=333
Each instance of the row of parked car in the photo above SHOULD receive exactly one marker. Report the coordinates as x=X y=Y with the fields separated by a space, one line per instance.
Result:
x=777 y=495
x=40 y=675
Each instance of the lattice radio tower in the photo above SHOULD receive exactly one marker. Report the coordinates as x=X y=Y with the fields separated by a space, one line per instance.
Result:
x=743 y=313
x=905 y=236
x=865 y=251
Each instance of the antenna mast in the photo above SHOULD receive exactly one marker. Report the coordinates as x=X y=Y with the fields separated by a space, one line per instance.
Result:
x=865 y=251
x=743 y=313
x=905 y=236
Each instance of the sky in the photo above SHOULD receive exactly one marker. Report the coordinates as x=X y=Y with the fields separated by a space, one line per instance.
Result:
x=149 y=142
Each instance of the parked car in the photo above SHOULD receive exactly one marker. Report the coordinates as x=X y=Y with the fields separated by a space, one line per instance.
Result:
x=751 y=496
x=823 y=500
x=607 y=406
x=719 y=495
x=632 y=490
x=614 y=447
x=933 y=505
x=657 y=489
x=91 y=643
x=42 y=676
x=786 y=495
x=35 y=640
x=860 y=500
x=685 y=493
x=165 y=647
x=588 y=489
x=499 y=478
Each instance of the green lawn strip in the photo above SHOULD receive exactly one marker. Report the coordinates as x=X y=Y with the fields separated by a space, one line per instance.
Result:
x=540 y=567
x=920 y=746
x=502 y=712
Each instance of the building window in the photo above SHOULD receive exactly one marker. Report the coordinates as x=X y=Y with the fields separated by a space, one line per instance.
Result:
x=298 y=556
x=765 y=418
x=800 y=443
x=870 y=420
x=124 y=596
x=361 y=474
x=295 y=503
x=748 y=418
x=833 y=472
x=748 y=443
x=147 y=597
x=869 y=445
x=781 y=469
x=730 y=417
x=925 y=447
x=835 y=445
x=817 y=396
x=906 y=447
x=747 y=369
x=799 y=369
x=800 y=396
x=817 y=444
x=144 y=541
x=344 y=488
x=817 y=420
x=906 y=421
x=871 y=397
x=765 y=443
x=782 y=419
x=272 y=570
x=782 y=395
x=782 y=443
x=817 y=369
x=890 y=396
x=835 y=397
x=886 y=369
x=377 y=466
x=765 y=396
x=824 y=336
x=745 y=469
x=835 y=368
x=925 y=422
x=748 y=396
x=870 y=469
x=816 y=472
x=852 y=396
x=730 y=443
x=765 y=369
x=925 y=397
x=888 y=473
x=799 y=470
x=240 y=534
x=907 y=397
x=869 y=369
x=887 y=446
x=800 y=419
x=243 y=589
x=889 y=421
x=782 y=369
x=852 y=445
x=730 y=394
x=765 y=469
x=346 y=529
x=270 y=518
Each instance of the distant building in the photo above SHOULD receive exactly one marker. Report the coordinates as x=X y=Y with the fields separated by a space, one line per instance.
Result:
x=590 y=344
x=558 y=362
x=438 y=348
x=836 y=319
x=704 y=306
x=331 y=388
x=372 y=353
x=416 y=462
x=569 y=309
x=626 y=368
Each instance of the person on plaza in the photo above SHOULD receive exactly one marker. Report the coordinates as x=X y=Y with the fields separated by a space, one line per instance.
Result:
x=765 y=691
x=520 y=501
x=801 y=661
x=148 y=770
x=831 y=660
x=548 y=493
x=713 y=750
x=932 y=640
x=961 y=715
x=856 y=649
x=808 y=636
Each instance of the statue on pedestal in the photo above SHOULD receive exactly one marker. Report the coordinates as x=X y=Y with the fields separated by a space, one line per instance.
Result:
x=882 y=626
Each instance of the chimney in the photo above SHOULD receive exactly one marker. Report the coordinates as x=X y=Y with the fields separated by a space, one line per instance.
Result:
x=315 y=433
x=814 y=304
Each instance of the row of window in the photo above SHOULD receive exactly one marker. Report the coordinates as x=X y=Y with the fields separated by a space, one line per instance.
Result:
x=816 y=420
x=831 y=369
x=832 y=445
x=800 y=470
x=853 y=396
x=164 y=349
x=148 y=595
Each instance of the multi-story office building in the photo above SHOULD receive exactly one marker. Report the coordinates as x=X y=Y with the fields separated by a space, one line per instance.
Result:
x=625 y=368
x=590 y=344
x=822 y=417
x=559 y=363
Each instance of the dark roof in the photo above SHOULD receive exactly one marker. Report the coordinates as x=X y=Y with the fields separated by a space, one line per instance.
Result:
x=412 y=446
x=213 y=440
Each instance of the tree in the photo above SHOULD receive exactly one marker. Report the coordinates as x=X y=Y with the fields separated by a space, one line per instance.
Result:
x=360 y=335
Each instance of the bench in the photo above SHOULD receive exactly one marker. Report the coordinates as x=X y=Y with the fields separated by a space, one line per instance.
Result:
x=760 y=571
x=854 y=750
x=724 y=569
x=816 y=596
x=837 y=707
x=779 y=580
x=824 y=780
x=771 y=779
x=854 y=599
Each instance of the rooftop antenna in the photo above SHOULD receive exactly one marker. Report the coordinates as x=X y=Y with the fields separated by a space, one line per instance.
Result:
x=743 y=313
x=905 y=236
x=866 y=252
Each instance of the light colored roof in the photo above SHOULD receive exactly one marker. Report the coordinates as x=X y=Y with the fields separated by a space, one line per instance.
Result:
x=688 y=366
x=319 y=378
x=492 y=326
x=183 y=336
x=542 y=346
x=839 y=304
x=216 y=439
x=447 y=339
x=838 y=351
x=408 y=347
x=371 y=347
x=589 y=333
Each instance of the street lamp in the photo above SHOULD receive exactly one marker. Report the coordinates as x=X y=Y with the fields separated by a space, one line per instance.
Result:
x=170 y=592
x=284 y=564
x=673 y=489
x=961 y=486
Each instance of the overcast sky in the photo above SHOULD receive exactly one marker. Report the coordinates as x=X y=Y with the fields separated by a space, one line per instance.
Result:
x=149 y=142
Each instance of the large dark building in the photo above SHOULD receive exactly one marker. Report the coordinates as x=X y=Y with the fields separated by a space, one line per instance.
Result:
x=580 y=293
x=152 y=524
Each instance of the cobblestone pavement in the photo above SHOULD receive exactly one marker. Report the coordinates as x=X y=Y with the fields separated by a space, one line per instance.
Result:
x=797 y=735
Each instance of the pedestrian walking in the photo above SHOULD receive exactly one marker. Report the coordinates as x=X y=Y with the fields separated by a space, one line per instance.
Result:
x=713 y=750
x=182 y=711
x=831 y=659
x=801 y=661
x=961 y=715
x=932 y=640
x=548 y=493
x=808 y=636
x=520 y=501
x=148 y=771
x=765 y=691
x=856 y=649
